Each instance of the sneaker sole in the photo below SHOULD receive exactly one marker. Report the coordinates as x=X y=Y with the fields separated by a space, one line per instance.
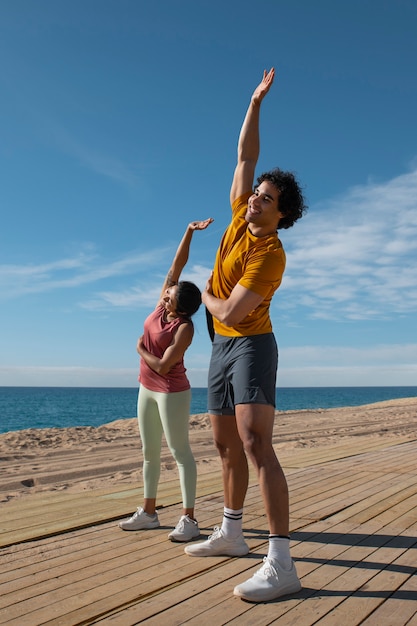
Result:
x=241 y=552
x=289 y=590
x=177 y=540
x=148 y=527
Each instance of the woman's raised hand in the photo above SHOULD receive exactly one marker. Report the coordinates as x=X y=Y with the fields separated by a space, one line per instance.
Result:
x=200 y=225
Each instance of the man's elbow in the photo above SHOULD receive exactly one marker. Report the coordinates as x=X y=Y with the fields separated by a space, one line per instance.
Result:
x=230 y=319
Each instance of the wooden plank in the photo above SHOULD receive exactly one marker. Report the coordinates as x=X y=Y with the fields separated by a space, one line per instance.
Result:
x=55 y=513
x=398 y=608
x=122 y=578
x=101 y=574
x=363 y=602
x=319 y=455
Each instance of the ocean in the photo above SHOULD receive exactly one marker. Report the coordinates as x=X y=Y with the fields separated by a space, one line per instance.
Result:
x=62 y=407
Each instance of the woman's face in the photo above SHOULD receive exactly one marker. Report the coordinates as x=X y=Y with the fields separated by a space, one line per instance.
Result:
x=169 y=299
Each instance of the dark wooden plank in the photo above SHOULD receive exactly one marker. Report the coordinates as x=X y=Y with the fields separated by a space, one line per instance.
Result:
x=356 y=556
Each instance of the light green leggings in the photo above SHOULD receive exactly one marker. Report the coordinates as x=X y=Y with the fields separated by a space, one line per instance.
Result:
x=168 y=413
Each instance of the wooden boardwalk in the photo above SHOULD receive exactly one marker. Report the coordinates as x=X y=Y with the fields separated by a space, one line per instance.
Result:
x=64 y=561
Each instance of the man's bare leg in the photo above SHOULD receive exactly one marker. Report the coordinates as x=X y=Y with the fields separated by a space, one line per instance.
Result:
x=228 y=540
x=235 y=469
x=255 y=424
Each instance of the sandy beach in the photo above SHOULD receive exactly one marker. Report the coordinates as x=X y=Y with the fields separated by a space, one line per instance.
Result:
x=85 y=458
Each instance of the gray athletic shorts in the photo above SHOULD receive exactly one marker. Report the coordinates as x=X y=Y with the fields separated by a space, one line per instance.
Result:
x=243 y=370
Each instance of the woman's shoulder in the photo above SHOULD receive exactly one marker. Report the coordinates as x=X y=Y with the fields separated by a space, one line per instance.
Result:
x=185 y=325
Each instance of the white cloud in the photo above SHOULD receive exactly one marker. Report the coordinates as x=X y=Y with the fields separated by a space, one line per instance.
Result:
x=82 y=269
x=400 y=354
x=197 y=274
x=70 y=376
x=135 y=297
x=341 y=366
x=145 y=294
x=343 y=376
x=355 y=256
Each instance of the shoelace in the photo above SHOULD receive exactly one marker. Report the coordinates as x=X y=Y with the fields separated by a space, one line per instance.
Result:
x=215 y=534
x=180 y=525
x=267 y=570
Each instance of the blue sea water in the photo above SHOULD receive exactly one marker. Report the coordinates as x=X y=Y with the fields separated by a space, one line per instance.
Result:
x=62 y=407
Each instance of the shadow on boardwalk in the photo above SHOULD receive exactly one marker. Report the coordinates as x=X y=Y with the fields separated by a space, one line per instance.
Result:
x=354 y=540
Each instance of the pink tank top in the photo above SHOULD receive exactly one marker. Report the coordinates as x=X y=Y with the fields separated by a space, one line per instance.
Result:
x=158 y=335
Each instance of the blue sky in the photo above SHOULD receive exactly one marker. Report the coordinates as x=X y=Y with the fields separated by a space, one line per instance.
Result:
x=118 y=125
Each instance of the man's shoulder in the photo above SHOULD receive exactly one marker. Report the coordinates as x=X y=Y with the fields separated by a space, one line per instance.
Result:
x=240 y=203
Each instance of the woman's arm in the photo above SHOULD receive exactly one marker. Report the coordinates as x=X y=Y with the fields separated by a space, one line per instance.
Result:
x=173 y=354
x=181 y=255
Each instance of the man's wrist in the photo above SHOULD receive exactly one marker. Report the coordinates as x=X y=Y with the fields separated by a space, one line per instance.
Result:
x=205 y=296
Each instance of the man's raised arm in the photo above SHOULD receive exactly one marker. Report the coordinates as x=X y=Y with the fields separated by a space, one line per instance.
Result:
x=248 y=144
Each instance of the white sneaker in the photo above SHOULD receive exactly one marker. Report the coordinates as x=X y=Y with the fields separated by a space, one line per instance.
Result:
x=268 y=583
x=140 y=521
x=218 y=545
x=186 y=530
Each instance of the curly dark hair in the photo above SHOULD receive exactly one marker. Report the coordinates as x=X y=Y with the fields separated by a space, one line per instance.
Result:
x=188 y=298
x=291 y=201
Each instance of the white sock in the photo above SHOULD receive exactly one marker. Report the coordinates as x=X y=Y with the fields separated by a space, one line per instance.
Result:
x=279 y=550
x=232 y=523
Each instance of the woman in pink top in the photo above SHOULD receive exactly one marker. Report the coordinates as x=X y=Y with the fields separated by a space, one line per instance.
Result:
x=165 y=396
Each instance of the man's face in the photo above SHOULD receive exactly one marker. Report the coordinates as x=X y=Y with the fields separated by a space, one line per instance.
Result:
x=263 y=207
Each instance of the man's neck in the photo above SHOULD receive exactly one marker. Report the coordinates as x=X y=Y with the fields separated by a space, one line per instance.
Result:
x=261 y=231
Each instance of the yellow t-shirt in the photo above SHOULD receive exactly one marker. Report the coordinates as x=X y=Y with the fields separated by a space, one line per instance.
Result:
x=256 y=263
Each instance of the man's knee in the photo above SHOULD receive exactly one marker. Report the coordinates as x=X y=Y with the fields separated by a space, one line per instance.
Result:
x=231 y=451
x=254 y=446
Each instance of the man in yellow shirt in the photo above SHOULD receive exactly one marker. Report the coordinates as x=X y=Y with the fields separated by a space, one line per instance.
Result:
x=241 y=389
